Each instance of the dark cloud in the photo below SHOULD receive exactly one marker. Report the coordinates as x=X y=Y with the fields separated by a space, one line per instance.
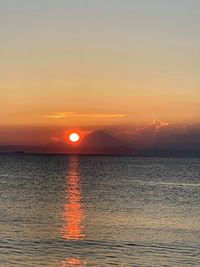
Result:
x=188 y=140
x=147 y=135
x=164 y=136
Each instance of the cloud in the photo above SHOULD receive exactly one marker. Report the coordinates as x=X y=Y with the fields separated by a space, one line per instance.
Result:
x=152 y=128
x=61 y=115
x=187 y=140
x=163 y=136
x=145 y=136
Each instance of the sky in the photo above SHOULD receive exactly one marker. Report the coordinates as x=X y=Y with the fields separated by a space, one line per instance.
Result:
x=96 y=64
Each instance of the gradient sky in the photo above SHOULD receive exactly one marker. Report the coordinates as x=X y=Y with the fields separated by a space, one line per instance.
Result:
x=99 y=62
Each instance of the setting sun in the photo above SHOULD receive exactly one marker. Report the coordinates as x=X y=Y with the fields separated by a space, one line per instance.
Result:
x=74 y=137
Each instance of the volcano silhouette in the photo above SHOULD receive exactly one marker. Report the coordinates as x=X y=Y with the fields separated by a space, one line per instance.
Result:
x=100 y=138
x=99 y=142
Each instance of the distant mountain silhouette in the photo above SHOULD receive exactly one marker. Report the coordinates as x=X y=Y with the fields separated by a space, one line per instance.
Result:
x=97 y=142
x=100 y=138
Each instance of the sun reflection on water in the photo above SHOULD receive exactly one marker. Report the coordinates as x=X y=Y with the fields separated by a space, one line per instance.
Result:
x=73 y=262
x=73 y=228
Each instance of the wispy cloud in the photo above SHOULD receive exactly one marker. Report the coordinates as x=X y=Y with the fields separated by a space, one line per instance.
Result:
x=61 y=115
x=152 y=128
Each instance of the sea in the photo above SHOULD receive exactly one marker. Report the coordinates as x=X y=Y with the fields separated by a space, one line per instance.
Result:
x=79 y=211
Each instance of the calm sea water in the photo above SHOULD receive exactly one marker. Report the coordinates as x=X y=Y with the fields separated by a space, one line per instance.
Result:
x=83 y=211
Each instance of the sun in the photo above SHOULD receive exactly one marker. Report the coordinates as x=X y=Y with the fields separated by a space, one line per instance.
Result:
x=74 y=137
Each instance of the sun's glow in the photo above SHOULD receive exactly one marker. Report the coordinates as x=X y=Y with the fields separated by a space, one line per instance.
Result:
x=74 y=137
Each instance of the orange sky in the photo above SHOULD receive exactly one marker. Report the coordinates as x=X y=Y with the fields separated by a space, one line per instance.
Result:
x=64 y=66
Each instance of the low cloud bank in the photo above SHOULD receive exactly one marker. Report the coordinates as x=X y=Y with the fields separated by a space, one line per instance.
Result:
x=156 y=136
x=163 y=135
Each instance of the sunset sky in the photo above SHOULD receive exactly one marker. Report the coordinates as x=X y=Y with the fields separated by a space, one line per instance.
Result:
x=97 y=63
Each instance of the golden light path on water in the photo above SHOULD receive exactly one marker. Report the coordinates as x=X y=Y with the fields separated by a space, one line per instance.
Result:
x=73 y=214
x=73 y=262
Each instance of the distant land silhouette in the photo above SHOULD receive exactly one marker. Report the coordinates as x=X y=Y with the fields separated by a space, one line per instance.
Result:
x=102 y=143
